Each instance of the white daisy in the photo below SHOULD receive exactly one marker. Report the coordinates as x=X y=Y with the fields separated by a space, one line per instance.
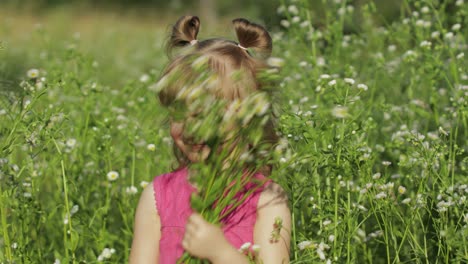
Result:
x=33 y=73
x=340 y=111
x=151 y=147
x=112 y=175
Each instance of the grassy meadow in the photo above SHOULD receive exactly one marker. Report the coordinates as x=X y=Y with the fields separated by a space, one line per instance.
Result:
x=373 y=117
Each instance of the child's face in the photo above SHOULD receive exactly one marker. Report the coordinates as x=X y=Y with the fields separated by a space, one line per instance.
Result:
x=194 y=151
x=197 y=151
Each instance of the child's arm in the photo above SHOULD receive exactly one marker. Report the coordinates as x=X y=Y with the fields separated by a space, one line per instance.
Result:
x=147 y=231
x=272 y=237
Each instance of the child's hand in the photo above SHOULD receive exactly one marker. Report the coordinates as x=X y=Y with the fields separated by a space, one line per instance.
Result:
x=205 y=240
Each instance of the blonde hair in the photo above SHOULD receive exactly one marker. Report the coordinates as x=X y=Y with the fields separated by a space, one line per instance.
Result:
x=224 y=58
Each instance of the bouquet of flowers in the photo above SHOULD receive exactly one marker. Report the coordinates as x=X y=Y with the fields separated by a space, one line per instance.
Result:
x=234 y=132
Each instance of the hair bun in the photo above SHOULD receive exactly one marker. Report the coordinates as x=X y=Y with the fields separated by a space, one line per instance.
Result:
x=251 y=35
x=184 y=31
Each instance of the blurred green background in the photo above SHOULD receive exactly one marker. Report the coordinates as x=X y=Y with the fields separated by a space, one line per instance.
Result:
x=94 y=22
x=262 y=9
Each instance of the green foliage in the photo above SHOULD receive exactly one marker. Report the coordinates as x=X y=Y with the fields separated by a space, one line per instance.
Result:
x=373 y=154
x=377 y=123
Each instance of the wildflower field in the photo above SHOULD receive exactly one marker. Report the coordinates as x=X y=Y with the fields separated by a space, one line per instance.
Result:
x=372 y=113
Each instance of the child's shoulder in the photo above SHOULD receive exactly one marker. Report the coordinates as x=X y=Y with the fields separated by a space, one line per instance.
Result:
x=273 y=193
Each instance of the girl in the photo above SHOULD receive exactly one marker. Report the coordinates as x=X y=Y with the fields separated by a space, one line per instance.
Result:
x=165 y=224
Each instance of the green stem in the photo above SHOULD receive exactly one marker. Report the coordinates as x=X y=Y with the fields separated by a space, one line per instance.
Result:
x=293 y=223
x=6 y=238
x=348 y=245
x=133 y=165
x=335 y=231
x=67 y=206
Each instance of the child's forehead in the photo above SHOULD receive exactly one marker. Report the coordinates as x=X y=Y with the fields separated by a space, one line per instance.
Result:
x=211 y=68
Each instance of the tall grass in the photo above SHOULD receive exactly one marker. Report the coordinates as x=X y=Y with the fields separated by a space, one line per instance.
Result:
x=375 y=124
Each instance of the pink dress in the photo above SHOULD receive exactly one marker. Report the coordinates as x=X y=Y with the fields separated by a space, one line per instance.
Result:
x=172 y=195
